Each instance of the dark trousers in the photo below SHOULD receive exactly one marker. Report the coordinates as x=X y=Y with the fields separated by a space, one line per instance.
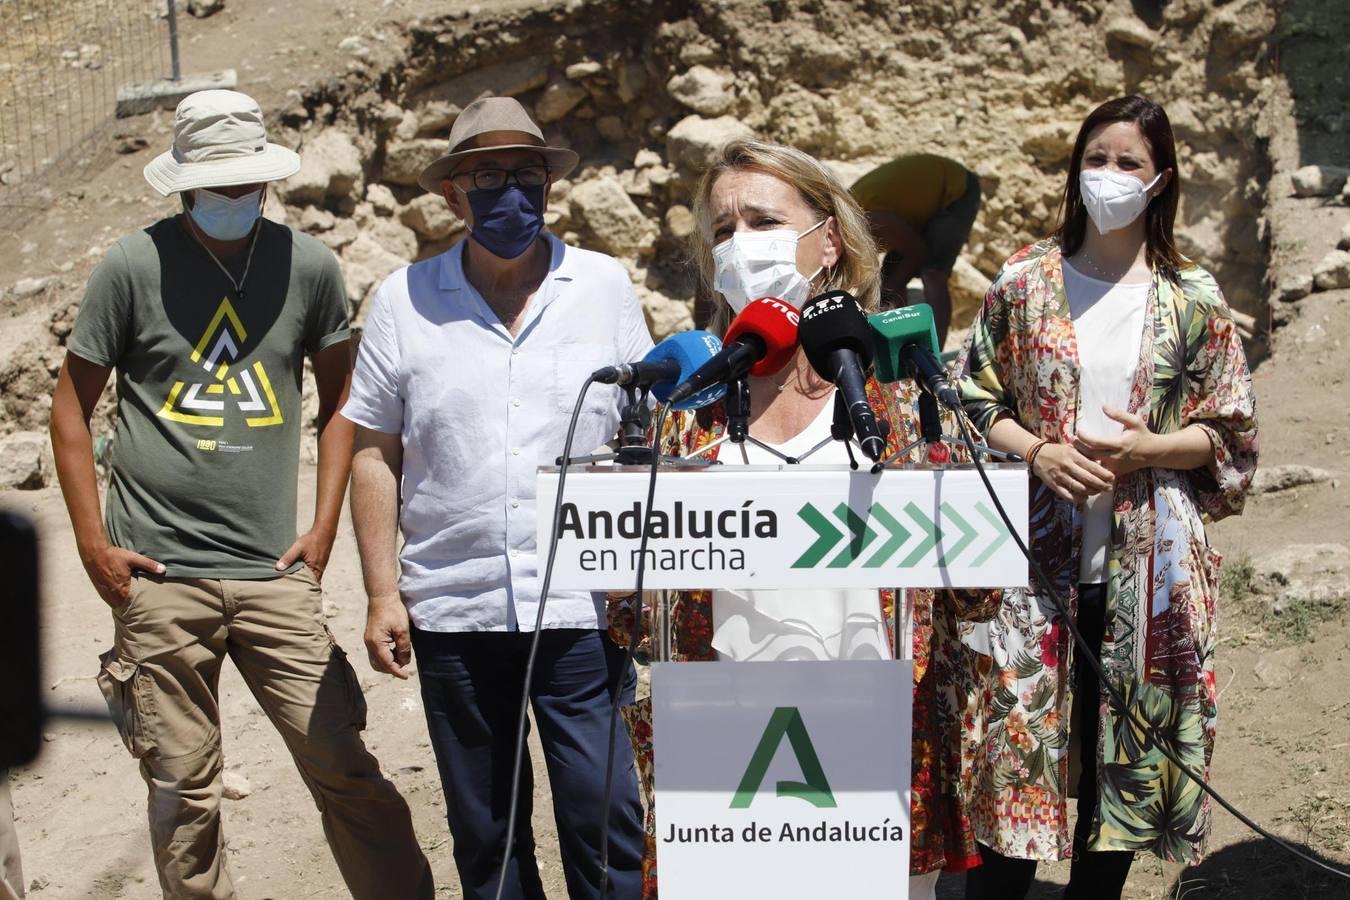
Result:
x=1098 y=875
x=471 y=687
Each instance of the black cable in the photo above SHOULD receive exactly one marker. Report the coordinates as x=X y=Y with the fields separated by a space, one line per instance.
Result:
x=633 y=640
x=1115 y=695
x=534 y=640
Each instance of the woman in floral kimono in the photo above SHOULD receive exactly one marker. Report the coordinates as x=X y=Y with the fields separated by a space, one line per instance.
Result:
x=782 y=210
x=1112 y=364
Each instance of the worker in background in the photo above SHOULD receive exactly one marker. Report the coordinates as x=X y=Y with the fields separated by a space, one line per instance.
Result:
x=921 y=208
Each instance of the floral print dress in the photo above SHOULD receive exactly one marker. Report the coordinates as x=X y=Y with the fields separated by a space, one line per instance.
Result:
x=944 y=669
x=1021 y=360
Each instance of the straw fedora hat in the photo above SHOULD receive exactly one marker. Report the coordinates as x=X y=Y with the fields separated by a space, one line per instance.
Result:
x=219 y=140
x=487 y=115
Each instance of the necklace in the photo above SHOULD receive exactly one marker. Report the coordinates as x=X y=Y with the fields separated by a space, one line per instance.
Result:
x=1105 y=275
x=248 y=261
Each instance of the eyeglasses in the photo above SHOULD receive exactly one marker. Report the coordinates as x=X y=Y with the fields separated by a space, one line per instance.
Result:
x=493 y=179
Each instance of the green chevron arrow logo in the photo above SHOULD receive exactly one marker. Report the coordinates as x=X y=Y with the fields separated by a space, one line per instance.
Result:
x=854 y=534
x=860 y=536
x=826 y=537
x=1001 y=533
x=931 y=534
x=899 y=534
x=949 y=554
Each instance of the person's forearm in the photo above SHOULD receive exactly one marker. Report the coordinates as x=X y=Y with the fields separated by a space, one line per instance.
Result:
x=1189 y=448
x=1010 y=437
x=73 y=450
x=375 y=519
x=335 y=465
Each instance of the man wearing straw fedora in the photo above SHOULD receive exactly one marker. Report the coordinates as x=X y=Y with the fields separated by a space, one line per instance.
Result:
x=206 y=317
x=468 y=373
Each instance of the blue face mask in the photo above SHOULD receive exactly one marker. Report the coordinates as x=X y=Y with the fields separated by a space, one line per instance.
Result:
x=507 y=220
x=223 y=218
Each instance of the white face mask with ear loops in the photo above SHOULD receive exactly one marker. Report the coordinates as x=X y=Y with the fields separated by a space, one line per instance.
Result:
x=751 y=265
x=1113 y=199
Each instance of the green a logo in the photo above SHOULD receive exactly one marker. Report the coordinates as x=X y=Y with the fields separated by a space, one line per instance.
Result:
x=786 y=721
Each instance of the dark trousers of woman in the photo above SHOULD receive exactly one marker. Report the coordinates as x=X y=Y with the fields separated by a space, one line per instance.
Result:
x=1096 y=875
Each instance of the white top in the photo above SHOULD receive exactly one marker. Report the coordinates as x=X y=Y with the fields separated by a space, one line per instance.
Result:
x=478 y=412
x=797 y=624
x=1109 y=320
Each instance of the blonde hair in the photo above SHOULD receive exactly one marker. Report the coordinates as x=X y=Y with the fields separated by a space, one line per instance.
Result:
x=857 y=270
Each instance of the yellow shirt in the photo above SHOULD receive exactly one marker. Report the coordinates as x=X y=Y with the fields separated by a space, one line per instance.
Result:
x=914 y=187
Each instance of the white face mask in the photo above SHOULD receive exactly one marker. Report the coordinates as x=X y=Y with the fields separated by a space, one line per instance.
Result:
x=223 y=218
x=751 y=265
x=1113 y=199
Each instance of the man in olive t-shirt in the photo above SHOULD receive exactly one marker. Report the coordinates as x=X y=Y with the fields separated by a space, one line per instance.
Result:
x=207 y=318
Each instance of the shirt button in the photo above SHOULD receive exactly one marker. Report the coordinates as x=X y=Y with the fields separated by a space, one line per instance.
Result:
x=515 y=403
x=515 y=451
x=515 y=504
x=515 y=552
x=515 y=351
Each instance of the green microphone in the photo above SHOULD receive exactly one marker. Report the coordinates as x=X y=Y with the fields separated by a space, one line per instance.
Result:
x=907 y=347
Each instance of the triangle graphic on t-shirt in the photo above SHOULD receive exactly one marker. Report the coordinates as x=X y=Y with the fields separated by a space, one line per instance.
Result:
x=250 y=390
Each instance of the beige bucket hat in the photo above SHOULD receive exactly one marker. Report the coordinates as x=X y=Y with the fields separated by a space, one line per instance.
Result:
x=219 y=140
x=487 y=115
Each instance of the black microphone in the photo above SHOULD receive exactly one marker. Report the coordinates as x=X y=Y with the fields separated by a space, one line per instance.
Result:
x=906 y=343
x=838 y=343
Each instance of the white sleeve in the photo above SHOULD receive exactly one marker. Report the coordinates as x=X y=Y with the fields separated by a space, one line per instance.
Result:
x=375 y=401
x=635 y=339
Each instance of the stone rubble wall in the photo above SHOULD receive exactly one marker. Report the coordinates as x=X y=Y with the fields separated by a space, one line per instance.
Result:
x=646 y=93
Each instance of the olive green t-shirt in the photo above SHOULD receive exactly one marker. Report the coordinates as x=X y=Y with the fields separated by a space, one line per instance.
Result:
x=207 y=447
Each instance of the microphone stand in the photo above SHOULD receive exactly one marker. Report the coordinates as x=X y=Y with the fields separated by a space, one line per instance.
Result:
x=939 y=444
x=738 y=423
x=634 y=419
x=842 y=430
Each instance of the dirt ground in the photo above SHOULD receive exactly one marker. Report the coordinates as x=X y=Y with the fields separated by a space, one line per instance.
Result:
x=1283 y=754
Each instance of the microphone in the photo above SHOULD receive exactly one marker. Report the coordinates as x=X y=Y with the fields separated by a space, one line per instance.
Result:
x=666 y=365
x=838 y=344
x=759 y=341
x=907 y=347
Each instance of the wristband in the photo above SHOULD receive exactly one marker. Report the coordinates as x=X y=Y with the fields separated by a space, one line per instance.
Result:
x=1031 y=454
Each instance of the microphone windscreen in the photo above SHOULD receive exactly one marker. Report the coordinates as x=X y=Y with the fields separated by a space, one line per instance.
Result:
x=831 y=322
x=775 y=323
x=893 y=329
x=690 y=349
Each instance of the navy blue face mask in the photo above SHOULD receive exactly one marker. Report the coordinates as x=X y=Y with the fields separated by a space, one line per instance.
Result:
x=507 y=220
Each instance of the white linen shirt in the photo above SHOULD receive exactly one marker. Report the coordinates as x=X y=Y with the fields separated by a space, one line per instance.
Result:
x=478 y=411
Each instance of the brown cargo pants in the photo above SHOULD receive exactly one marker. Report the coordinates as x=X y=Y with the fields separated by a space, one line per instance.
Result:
x=160 y=680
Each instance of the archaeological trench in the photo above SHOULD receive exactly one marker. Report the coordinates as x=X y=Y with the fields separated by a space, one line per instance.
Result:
x=646 y=91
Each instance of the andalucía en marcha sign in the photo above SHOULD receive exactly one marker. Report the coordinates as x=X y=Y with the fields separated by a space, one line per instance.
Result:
x=784 y=526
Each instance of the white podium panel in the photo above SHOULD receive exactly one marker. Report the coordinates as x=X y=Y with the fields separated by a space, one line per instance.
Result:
x=782 y=779
x=787 y=526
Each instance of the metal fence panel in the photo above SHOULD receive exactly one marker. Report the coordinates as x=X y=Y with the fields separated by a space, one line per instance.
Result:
x=61 y=64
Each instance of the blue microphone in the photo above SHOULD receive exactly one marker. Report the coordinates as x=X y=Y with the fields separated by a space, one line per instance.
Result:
x=668 y=364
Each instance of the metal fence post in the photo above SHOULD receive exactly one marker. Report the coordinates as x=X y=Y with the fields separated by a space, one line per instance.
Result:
x=173 y=41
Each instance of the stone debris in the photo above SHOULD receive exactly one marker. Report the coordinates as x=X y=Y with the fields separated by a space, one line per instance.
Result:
x=236 y=786
x=1319 y=181
x=1344 y=242
x=431 y=218
x=330 y=168
x=28 y=287
x=25 y=461
x=202 y=8
x=694 y=141
x=1294 y=286
x=613 y=217
x=405 y=160
x=381 y=200
x=1333 y=271
x=703 y=90
x=1270 y=479
x=559 y=99
x=1316 y=572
